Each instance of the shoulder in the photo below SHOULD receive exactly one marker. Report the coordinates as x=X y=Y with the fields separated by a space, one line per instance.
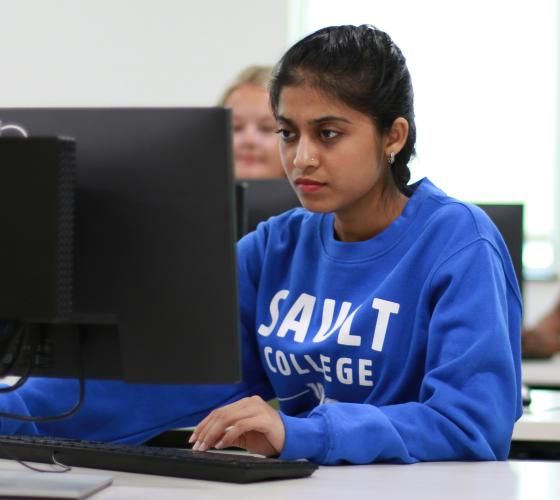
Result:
x=460 y=223
x=278 y=236
x=285 y=225
x=463 y=235
x=280 y=231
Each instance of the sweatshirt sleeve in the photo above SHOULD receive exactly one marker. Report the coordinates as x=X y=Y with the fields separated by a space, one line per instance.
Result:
x=114 y=411
x=469 y=397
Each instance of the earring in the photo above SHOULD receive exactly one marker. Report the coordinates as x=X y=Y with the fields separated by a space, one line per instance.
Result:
x=391 y=158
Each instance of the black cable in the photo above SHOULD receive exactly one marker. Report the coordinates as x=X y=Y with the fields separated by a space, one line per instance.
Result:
x=23 y=379
x=71 y=411
x=64 y=468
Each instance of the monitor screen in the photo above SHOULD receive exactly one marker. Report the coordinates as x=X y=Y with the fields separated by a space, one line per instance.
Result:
x=155 y=286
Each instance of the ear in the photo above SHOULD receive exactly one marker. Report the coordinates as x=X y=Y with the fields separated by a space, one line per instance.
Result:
x=396 y=137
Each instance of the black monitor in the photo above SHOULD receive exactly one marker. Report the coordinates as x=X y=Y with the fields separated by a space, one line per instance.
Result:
x=508 y=218
x=155 y=285
x=265 y=198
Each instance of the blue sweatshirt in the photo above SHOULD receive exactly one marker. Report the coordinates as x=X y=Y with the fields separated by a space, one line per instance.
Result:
x=402 y=348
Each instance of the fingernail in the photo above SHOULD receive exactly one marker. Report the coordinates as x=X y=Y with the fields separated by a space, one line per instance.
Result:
x=202 y=447
x=219 y=445
x=196 y=446
x=192 y=438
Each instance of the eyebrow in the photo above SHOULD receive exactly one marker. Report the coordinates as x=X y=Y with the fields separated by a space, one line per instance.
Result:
x=316 y=121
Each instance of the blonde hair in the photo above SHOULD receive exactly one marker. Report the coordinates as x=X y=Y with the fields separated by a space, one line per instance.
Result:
x=258 y=76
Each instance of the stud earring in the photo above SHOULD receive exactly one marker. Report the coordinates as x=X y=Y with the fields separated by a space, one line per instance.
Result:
x=391 y=158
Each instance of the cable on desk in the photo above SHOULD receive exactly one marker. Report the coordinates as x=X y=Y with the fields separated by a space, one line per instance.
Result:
x=50 y=470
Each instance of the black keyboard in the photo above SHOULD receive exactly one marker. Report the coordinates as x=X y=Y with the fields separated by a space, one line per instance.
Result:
x=177 y=462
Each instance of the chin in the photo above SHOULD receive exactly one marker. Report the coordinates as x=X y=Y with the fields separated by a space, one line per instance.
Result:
x=315 y=206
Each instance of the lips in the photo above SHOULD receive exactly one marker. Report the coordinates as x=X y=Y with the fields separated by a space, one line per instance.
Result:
x=306 y=185
x=302 y=181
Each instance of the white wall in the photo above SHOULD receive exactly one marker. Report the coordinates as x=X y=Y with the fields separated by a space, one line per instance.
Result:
x=132 y=52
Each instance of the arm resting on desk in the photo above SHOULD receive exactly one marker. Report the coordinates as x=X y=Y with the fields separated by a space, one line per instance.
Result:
x=114 y=411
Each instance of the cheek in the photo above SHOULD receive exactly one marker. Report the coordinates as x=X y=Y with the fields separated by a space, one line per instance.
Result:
x=237 y=138
x=359 y=171
x=286 y=156
x=270 y=143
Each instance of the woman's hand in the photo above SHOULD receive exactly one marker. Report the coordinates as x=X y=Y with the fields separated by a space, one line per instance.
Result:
x=249 y=423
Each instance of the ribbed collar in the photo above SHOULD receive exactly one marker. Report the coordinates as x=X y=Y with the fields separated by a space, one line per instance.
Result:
x=382 y=242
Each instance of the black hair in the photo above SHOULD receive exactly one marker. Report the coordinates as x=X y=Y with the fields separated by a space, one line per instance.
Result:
x=362 y=67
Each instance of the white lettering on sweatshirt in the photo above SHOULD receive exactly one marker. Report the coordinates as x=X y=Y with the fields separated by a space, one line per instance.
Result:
x=298 y=319
x=385 y=308
x=345 y=370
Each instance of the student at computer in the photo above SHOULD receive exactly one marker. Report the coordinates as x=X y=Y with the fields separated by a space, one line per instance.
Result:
x=255 y=143
x=385 y=316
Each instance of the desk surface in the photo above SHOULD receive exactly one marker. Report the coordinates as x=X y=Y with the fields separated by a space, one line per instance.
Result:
x=519 y=480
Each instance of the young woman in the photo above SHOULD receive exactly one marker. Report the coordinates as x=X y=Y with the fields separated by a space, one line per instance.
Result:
x=255 y=144
x=385 y=317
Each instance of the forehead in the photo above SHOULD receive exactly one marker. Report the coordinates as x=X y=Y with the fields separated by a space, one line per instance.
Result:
x=303 y=103
x=248 y=97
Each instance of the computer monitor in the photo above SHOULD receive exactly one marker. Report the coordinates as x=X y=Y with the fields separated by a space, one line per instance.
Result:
x=508 y=218
x=265 y=198
x=155 y=281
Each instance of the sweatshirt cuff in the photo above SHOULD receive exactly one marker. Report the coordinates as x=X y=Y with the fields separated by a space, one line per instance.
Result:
x=305 y=438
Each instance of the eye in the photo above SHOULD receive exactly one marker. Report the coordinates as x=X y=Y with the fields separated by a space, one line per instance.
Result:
x=328 y=134
x=285 y=134
x=266 y=128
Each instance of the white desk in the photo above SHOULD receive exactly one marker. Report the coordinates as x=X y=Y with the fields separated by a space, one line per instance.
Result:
x=514 y=480
x=542 y=373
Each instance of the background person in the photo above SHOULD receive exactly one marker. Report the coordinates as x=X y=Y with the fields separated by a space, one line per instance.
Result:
x=543 y=340
x=255 y=142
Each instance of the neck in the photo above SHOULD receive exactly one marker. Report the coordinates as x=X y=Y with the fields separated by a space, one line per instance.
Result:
x=369 y=216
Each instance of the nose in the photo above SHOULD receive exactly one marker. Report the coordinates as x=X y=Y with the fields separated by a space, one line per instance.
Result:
x=248 y=135
x=306 y=155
